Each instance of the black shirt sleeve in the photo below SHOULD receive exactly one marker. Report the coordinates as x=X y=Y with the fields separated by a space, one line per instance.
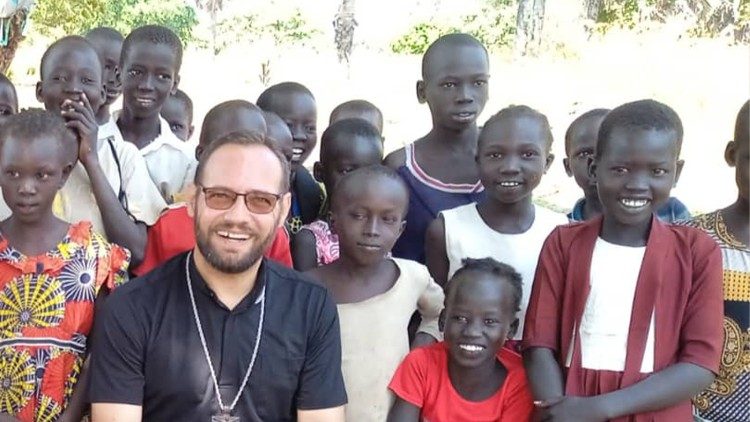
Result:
x=117 y=353
x=321 y=384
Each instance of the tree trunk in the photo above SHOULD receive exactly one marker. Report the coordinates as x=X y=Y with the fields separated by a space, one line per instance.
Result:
x=529 y=24
x=343 y=26
x=15 y=36
x=592 y=8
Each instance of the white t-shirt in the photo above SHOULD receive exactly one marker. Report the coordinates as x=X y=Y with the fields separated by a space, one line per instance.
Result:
x=468 y=236
x=171 y=162
x=76 y=201
x=606 y=317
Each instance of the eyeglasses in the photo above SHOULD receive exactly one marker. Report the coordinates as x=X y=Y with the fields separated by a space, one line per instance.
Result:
x=257 y=202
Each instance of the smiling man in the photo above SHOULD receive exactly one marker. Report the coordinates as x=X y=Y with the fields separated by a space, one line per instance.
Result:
x=219 y=333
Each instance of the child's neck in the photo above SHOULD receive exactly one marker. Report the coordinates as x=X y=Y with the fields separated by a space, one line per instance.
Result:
x=454 y=140
x=508 y=218
x=36 y=238
x=351 y=282
x=103 y=115
x=359 y=273
x=625 y=235
x=736 y=218
x=477 y=384
x=591 y=207
x=139 y=131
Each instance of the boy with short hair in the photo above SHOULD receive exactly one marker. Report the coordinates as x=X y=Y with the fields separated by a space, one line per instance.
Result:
x=108 y=43
x=580 y=146
x=8 y=98
x=625 y=317
x=358 y=109
x=110 y=185
x=178 y=112
x=295 y=104
x=150 y=63
x=440 y=168
x=51 y=274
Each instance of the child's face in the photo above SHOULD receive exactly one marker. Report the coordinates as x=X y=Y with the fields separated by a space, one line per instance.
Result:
x=478 y=319
x=174 y=112
x=512 y=158
x=31 y=173
x=109 y=51
x=70 y=72
x=349 y=155
x=369 y=219
x=150 y=75
x=8 y=102
x=300 y=113
x=582 y=148
x=280 y=133
x=635 y=173
x=456 y=86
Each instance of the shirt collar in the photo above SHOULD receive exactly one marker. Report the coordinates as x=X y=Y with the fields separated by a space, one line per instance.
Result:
x=253 y=298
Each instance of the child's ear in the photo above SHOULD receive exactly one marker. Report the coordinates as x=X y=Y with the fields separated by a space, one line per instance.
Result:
x=402 y=228
x=548 y=163
x=39 y=96
x=730 y=153
x=566 y=165
x=190 y=131
x=198 y=152
x=332 y=222
x=318 y=173
x=175 y=84
x=421 y=96
x=441 y=321
x=513 y=329
x=678 y=171
x=102 y=95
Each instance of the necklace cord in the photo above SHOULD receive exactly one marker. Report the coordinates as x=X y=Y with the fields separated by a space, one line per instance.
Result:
x=224 y=408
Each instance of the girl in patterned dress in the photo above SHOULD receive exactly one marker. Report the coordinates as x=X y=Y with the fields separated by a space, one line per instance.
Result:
x=51 y=272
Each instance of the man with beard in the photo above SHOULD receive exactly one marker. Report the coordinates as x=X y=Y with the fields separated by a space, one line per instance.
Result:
x=219 y=333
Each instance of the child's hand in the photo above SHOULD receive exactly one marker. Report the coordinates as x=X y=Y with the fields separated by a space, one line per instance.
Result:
x=80 y=117
x=570 y=408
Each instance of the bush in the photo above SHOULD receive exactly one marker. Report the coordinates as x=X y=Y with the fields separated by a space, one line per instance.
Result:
x=56 y=18
x=494 y=26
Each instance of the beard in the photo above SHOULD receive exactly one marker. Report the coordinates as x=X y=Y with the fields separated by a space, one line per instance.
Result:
x=231 y=264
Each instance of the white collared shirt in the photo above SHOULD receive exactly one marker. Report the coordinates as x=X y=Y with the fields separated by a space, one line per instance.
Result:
x=171 y=162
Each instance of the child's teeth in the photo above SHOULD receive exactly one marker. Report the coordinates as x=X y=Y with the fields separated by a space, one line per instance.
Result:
x=471 y=347
x=634 y=203
x=509 y=184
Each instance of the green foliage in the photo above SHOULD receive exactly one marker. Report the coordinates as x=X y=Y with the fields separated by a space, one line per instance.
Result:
x=494 y=26
x=293 y=29
x=55 y=18
x=622 y=13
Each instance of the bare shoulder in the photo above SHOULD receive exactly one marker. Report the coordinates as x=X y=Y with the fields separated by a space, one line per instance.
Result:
x=395 y=159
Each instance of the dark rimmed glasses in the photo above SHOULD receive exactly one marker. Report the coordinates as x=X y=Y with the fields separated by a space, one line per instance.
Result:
x=257 y=202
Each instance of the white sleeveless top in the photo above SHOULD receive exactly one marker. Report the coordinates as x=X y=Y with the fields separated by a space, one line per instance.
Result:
x=468 y=236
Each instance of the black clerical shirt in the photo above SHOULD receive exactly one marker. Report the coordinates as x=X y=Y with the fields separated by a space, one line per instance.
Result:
x=146 y=349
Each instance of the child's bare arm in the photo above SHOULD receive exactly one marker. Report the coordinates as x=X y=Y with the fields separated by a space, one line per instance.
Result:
x=304 y=253
x=429 y=306
x=403 y=411
x=436 y=255
x=395 y=159
x=544 y=373
x=661 y=390
x=119 y=227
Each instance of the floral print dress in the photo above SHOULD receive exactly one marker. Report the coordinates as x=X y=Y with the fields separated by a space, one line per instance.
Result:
x=46 y=314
